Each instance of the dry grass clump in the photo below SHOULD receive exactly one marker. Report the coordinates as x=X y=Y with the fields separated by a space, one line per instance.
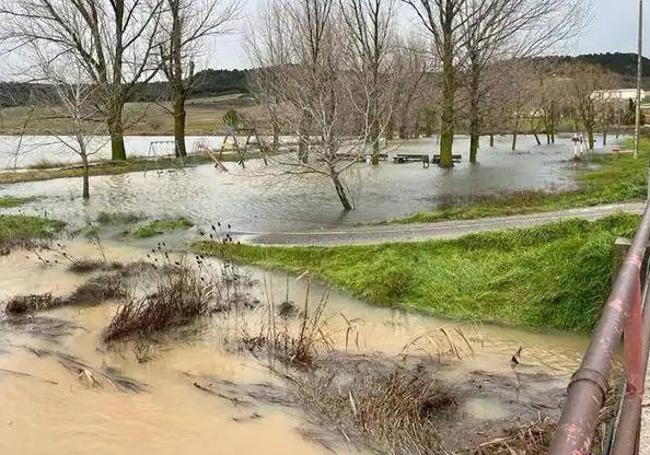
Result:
x=185 y=290
x=278 y=341
x=530 y=439
x=87 y=265
x=90 y=376
x=23 y=304
x=180 y=298
x=375 y=402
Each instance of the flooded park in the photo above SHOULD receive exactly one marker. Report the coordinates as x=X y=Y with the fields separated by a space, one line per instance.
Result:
x=257 y=200
x=219 y=384
x=401 y=228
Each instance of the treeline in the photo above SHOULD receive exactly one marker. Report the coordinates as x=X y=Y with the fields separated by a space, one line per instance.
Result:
x=209 y=82
x=213 y=82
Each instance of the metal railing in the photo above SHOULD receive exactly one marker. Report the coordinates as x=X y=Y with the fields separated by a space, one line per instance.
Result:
x=624 y=316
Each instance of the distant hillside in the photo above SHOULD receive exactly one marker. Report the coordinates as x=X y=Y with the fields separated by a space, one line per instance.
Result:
x=213 y=82
x=209 y=82
x=619 y=63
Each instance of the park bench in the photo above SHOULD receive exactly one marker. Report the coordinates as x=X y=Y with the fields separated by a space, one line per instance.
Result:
x=454 y=158
x=406 y=157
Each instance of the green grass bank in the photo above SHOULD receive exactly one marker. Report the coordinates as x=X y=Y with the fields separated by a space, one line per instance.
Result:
x=553 y=276
x=19 y=229
x=614 y=178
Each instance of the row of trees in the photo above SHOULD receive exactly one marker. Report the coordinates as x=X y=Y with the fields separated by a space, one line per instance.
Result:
x=119 y=45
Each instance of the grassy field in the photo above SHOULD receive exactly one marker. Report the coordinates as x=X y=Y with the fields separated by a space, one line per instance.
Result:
x=617 y=178
x=17 y=229
x=204 y=116
x=554 y=276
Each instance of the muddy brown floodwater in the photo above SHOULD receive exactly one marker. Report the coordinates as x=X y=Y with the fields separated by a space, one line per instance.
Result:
x=47 y=410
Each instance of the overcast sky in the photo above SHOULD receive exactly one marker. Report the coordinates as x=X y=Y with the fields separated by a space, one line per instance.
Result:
x=613 y=29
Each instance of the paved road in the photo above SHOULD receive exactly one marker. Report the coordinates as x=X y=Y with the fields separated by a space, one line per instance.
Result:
x=424 y=231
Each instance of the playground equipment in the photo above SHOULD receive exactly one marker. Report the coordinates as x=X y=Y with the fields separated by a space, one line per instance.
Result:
x=248 y=133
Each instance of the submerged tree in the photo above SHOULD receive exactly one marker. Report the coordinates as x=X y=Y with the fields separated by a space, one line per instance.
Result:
x=310 y=91
x=73 y=98
x=113 y=40
x=495 y=32
x=186 y=25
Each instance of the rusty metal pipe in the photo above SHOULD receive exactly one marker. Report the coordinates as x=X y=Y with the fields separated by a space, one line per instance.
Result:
x=589 y=384
x=627 y=433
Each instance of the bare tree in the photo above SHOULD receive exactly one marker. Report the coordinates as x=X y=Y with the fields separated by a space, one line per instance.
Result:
x=186 y=24
x=313 y=92
x=370 y=24
x=114 y=41
x=496 y=31
x=588 y=88
x=73 y=98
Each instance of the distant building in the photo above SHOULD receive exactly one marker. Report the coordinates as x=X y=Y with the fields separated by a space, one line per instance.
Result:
x=622 y=94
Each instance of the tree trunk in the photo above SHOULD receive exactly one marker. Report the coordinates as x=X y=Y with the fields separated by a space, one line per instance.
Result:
x=474 y=140
x=340 y=191
x=86 y=183
x=537 y=138
x=491 y=139
x=275 y=146
x=374 y=137
x=303 y=140
x=605 y=137
x=116 y=131
x=590 y=137
x=179 y=124
x=474 y=111
x=448 y=95
x=390 y=129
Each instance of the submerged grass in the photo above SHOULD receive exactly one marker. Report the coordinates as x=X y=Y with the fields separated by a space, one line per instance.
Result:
x=552 y=276
x=8 y=202
x=158 y=227
x=21 y=229
x=614 y=178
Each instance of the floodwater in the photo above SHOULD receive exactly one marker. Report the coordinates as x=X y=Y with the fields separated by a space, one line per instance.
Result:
x=16 y=151
x=54 y=412
x=256 y=200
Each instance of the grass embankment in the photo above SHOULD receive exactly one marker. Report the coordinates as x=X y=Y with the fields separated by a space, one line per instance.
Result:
x=19 y=229
x=553 y=276
x=159 y=227
x=618 y=178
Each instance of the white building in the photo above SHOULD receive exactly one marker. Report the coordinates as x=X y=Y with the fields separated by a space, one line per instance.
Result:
x=622 y=94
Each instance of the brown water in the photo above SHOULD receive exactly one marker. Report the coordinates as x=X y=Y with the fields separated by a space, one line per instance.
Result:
x=70 y=417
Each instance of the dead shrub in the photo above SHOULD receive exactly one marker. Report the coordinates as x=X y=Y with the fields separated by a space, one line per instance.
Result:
x=375 y=402
x=23 y=304
x=278 y=341
x=86 y=265
x=185 y=291
x=180 y=298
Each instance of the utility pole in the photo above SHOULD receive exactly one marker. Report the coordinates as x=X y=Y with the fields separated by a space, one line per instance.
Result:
x=639 y=73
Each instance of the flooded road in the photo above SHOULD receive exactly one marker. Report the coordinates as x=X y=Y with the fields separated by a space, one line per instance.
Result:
x=53 y=412
x=255 y=200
